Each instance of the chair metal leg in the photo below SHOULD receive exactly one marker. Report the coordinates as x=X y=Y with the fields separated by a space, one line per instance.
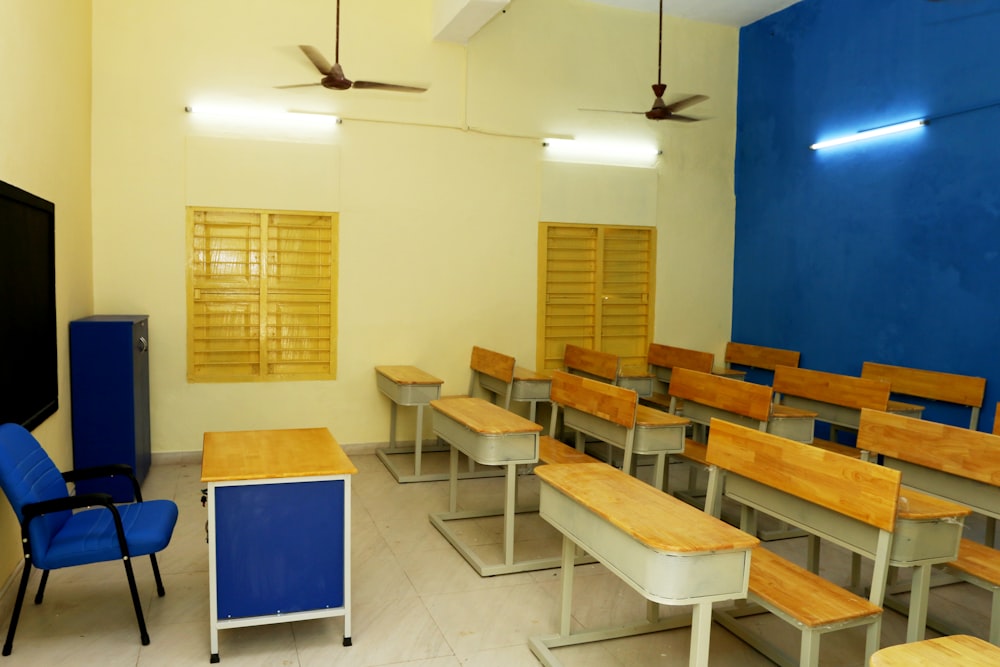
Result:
x=143 y=635
x=21 y=588
x=41 y=587
x=156 y=574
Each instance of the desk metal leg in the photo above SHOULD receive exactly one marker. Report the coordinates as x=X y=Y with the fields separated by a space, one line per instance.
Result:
x=566 y=604
x=916 y=624
x=392 y=424
x=701 y=632
x=453 y=480
x=418 y=441
x=510 y=498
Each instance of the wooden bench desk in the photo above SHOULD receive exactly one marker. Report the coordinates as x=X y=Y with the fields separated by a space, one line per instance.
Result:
x=953 y=651
x=407 y=386
x=668 y=551
x=955 y=464
x=708 y=396
x=757 y=356
x=661 y=361
x=963 y=390
x=847 y=501
x=836 y=399
x=530 y=387
x=612 y=415
x=492 y=436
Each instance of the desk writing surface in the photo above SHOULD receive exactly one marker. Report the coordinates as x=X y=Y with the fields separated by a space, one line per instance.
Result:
x=918 y=506
x=481 y=416
x=665 y=524
x=407 y=375
x=953 y=651
x=522 y=374
x=247 y=455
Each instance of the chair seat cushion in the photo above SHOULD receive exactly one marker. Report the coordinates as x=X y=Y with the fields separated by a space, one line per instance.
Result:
x=89 y=536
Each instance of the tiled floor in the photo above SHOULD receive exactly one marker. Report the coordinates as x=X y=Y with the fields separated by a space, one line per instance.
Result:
x=416 y=601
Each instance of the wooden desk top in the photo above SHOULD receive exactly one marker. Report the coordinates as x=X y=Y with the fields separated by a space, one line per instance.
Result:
x=654 y=518
x=522 y=374
x=647 y=417
x=953 y=651
x=246 y=455
x=483 y=417
x=919 y=506
x=780 y=411
x=407 y=375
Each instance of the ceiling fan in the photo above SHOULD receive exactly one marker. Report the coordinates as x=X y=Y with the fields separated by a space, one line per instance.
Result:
x=333 y=75
x=661 y=110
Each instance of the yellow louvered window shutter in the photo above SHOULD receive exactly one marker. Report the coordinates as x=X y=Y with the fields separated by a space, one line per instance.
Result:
x=262 y=288
x=596 y=290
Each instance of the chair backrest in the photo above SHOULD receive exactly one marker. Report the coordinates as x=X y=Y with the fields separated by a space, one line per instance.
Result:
x=28 y=475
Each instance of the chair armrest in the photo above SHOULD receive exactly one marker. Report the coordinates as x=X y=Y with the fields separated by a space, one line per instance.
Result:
x=110 y=470
x=33 y=510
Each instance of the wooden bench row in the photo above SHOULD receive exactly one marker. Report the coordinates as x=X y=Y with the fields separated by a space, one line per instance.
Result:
x=956 y=464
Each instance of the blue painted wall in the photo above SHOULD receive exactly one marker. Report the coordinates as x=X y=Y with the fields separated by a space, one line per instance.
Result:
x=887 y=250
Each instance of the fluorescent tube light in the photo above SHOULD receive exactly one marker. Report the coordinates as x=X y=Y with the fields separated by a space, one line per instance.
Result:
x=265 y=115
x=870 y=134
x=601 y=152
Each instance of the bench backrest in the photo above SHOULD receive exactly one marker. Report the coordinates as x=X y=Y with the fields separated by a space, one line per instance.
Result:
x=594 y=364
x=863 y=491
x=841 y=390
x=757 y=356
x=670 y=357
x=494 y=372
x=615 y=404
x=740 y=398
x=950 y=462
x=972 y=455
x=964 y=390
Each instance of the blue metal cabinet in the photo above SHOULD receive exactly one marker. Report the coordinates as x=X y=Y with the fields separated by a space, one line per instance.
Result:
x=109 y=378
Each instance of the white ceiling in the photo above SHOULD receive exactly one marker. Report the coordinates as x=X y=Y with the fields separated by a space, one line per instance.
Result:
x=726 y=12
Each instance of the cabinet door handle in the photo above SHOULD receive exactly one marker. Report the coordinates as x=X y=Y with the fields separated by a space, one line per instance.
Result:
x=143 y=344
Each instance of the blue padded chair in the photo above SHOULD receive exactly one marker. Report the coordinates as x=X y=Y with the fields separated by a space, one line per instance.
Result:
x=60 y=530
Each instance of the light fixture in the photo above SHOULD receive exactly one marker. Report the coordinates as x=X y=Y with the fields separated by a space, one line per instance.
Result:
x=250 y=114
x=870 y=134
x=601 y=152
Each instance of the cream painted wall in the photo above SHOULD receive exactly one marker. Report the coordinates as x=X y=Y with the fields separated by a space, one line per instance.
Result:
x=439 y=194
x=45 y=149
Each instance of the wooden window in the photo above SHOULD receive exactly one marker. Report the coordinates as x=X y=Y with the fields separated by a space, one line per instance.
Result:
x=262 y=295
x=596 y=290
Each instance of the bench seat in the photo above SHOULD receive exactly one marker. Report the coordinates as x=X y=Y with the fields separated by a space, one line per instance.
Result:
x=782 y=586
x=978 y=561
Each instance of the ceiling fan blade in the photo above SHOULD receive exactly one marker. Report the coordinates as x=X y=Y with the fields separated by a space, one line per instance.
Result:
x=683 y=119
x=317 y=58
x=376 y=85
x=299 y=85
x=685 y=103
x=612 y=111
